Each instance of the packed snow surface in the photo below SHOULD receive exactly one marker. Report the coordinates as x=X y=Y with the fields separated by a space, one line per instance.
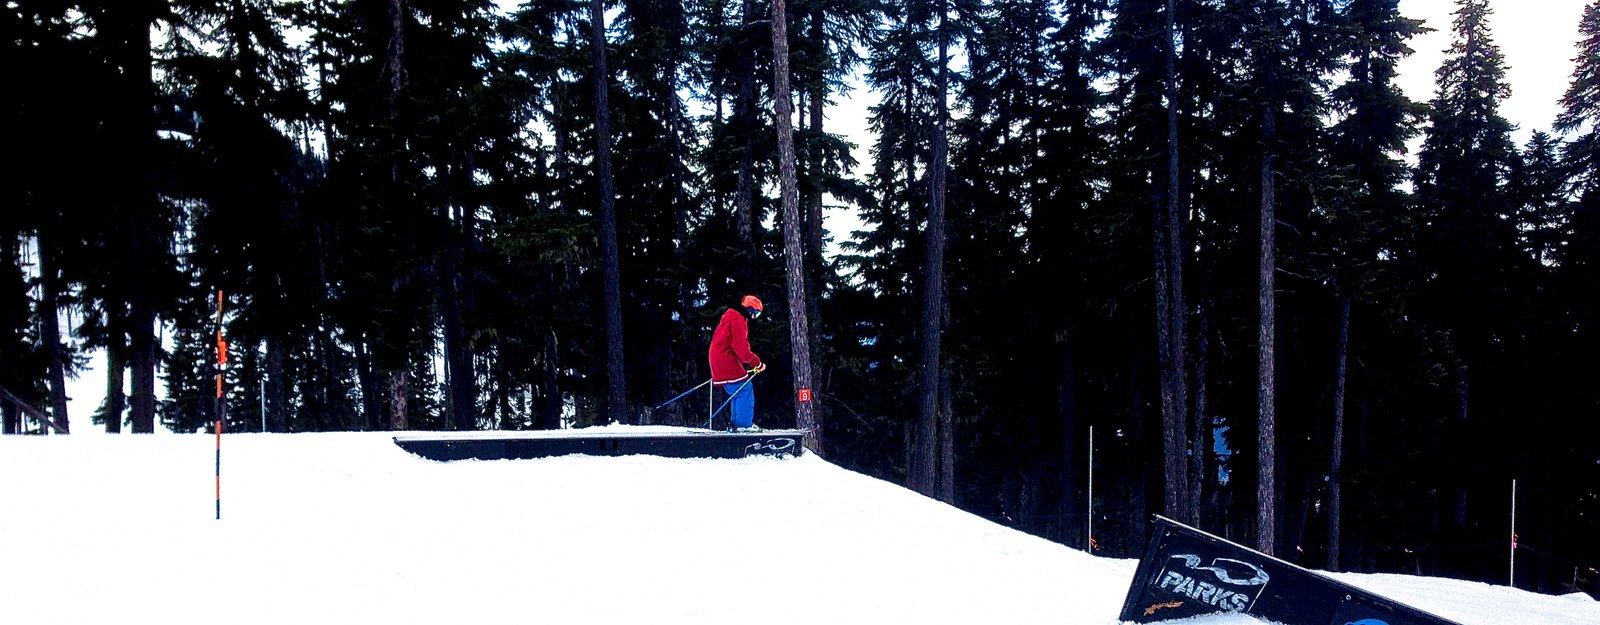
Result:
x=348 y=528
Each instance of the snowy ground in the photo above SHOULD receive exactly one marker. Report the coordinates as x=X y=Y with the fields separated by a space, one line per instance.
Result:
x=348 y=528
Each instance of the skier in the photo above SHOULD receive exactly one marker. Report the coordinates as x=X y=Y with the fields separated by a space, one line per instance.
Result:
x=733 y=365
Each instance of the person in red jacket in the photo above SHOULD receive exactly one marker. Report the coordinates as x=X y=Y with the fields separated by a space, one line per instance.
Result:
x=733 y=365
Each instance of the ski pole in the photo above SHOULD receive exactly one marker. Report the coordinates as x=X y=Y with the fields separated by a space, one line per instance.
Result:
x=681 y=395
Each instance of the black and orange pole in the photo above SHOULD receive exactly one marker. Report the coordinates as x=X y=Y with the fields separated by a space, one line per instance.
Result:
x=222 y=361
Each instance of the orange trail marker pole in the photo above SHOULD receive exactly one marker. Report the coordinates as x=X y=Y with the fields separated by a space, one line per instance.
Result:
x=222 y=361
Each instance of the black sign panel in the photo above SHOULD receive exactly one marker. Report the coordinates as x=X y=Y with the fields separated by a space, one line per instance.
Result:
x=1186 y=572
x=546 y=443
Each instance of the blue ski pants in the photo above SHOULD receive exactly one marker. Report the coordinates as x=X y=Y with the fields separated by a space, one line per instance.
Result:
x=743 y=406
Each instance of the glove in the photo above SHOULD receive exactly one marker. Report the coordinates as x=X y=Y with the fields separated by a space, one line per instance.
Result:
x=758 y=368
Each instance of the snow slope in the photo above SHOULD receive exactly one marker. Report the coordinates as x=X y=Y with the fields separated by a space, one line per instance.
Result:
x=348 y=528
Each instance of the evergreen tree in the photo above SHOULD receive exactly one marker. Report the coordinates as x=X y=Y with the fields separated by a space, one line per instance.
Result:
x=616 y=380
x=794 y=249
x=1577 y=272
x=1361 y=225
x=136 y=278
x=654 y=171
x=1580 y=105
x=881 y=256
x=1580 y=121
x=1017 y=164
x=921 y=475
x=1068 y=239
x=1468 y=249
x=1137 y=49
x=53 y=112
x=1171 y=312
x=236 y=82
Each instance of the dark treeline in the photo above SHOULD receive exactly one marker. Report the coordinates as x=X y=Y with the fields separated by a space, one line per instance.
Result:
x=1191 y=225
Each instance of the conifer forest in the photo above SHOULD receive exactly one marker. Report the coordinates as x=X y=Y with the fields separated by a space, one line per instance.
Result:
x=1292 y=306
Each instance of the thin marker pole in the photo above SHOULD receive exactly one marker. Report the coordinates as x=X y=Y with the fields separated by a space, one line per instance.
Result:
x=1512 y=579
x=1089 y=543
x=222 y=361
x=220 y=469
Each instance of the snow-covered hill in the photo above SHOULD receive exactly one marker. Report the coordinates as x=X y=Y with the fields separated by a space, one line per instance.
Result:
x=348 y=528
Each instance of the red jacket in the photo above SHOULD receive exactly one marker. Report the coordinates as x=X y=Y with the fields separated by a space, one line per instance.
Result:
x=730 y=353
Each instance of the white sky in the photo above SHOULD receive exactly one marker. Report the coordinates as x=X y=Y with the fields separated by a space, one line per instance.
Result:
x=1537 y=37
x=347 y=528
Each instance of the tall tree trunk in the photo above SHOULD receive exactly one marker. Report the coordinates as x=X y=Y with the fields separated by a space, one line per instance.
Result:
x=1073 y=432
x=550 y=388
x=331 y=359
x=947 y=440
x=463 y=394
x=616 y=379
x=813 y=221
x=1266 y=433
x=277 y=385
x=1200 y=432
x=142 y=365
x=49 y=311
x=399 y=376
x=680 y=227
x=1136 y=471
x=396 y=56
x=503 y=390
x=745 y=125
x=367 y=379
x=793 y=245
x=922 y=477
x=129 y=27
x=814 y=231
x=1170 y=312
x=116 y=402
x=399 y=391
x=1336 y=464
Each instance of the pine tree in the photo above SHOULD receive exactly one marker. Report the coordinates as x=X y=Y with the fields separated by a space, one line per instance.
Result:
x=52 y=113
x=653 y=171
x=793 y=247
x=237 y=83
x=1065 y=250
x=1468 y=249
x=1580 y=116
x=1360 y=226
x=1575 y=276
x=1538 y=185
x=883 y=254
x=1268 y=72
x=1171 y=312
x=922 y=474
x=1144 y=109
x=616 y=381
x=1295 y=54
x=139 y=278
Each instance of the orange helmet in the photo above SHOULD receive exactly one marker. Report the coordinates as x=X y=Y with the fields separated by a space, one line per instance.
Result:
x=753 y=303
